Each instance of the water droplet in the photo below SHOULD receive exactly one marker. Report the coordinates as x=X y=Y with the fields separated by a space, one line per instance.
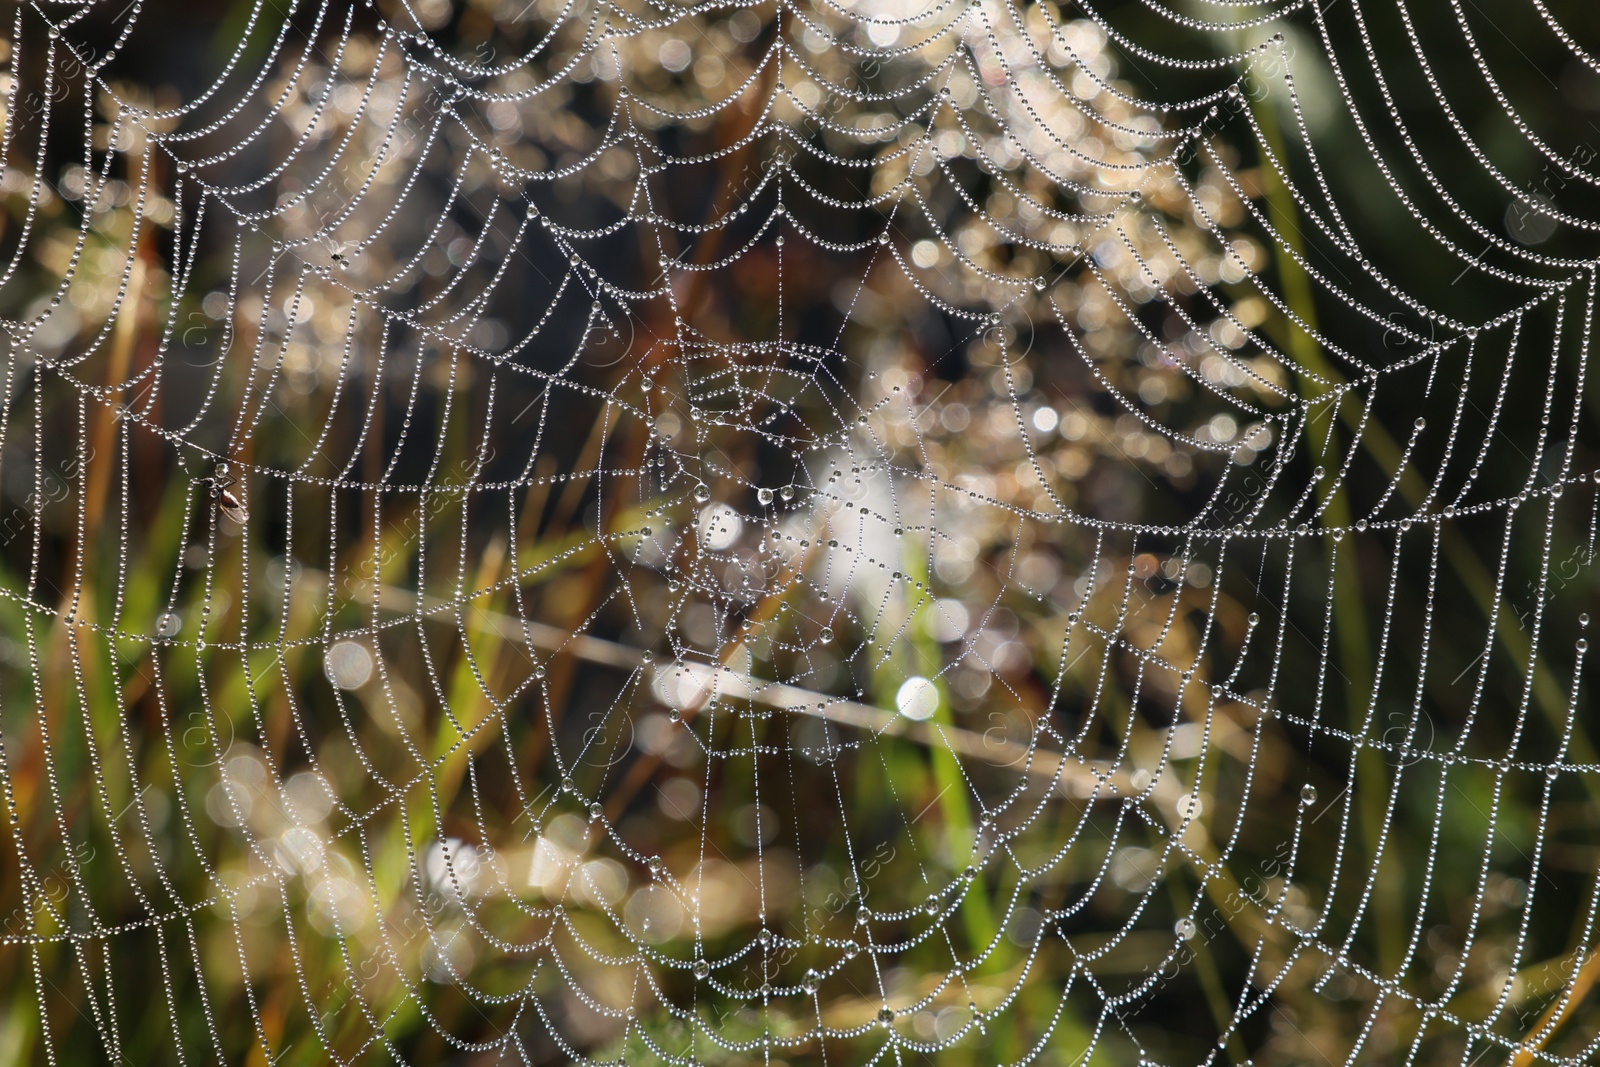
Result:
x=811 y=981
x=886 y=1015
x=1184 y=928
x=932 y=905
x=764 y=495
x=850 y=950
x=567 y=785
x=702 y=969
x=826 y=635
x=1308 y=794
x=787 y=492
x=702 y=493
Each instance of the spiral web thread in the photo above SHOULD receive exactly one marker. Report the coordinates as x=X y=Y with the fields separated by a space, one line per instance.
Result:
x=829 y=533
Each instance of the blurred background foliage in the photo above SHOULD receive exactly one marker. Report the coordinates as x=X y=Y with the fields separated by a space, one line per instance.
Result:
x=352 y=778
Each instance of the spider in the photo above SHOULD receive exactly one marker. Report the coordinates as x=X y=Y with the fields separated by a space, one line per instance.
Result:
x=227 y=503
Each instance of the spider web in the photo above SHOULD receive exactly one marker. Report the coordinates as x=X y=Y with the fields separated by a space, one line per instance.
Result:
x=848 y=532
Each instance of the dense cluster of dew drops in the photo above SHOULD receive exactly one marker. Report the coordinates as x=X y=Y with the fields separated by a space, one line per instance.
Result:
x=595 y=530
